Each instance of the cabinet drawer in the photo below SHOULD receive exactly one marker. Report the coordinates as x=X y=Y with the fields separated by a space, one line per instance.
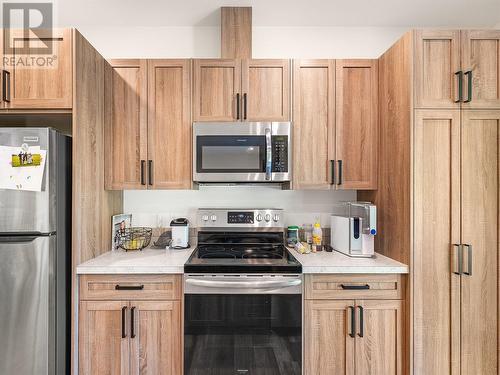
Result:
x=130 y=287
x=353 y=286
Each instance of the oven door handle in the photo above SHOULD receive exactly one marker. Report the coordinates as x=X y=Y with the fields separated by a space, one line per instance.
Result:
x=269 y=154
x=243 y=284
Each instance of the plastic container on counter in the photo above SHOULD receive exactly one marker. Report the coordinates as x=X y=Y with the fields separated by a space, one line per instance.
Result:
x=292 y=235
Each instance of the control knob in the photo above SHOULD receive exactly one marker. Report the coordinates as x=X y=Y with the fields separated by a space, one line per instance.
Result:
x=267 y=217
x=213 y=218
x=276 y=217
x=204 y=218
x=258 y=217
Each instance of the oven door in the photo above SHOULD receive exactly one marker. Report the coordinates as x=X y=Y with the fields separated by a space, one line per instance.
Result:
x=242 y=324
x=237 y=152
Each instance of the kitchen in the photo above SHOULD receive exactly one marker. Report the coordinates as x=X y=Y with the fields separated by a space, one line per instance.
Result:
x=241 y=154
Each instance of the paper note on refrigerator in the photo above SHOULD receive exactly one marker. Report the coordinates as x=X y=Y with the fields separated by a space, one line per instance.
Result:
x=26 y=177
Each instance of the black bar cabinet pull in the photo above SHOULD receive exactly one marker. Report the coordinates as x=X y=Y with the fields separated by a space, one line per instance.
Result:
x=143 y=177
x=129 y=287
x=6 y=86
x=237 y=106
x=132 y=331
x=244 y=106
x=469 y=259
x=124 y=310
x=361 y=317
x=459 y=76
x=353 y=322
x=355 y=287
x=340 y=172
x=459 y=258
x=332 y=170
x=469 y=86
x=150 y=172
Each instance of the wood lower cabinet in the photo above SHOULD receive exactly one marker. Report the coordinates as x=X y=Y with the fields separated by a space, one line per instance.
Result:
x=148 y=124
x=351 y=336
x=130 y=336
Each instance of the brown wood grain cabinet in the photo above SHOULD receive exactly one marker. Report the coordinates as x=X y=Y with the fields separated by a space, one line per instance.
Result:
x=38 y=80
x=241 y=90
x=351 y=336
x=335 y=124
x=148 y=124
x=457 y=69
x=130 y=336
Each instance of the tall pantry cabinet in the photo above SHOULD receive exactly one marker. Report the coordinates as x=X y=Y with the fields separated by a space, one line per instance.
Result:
x=439 y=202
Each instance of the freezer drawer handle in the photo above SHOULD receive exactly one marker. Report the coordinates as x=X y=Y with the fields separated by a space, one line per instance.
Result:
x=355 y=287
x=129 y=287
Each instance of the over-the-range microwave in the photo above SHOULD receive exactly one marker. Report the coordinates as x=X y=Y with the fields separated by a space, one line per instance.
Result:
x=242 y=152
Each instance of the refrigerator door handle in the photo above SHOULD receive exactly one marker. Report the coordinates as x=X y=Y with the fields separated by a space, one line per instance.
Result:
x=18 y=239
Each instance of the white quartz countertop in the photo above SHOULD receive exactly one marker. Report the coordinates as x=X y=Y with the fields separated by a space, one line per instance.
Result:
x=145 y=261
x=335 y=262
x=161 y=261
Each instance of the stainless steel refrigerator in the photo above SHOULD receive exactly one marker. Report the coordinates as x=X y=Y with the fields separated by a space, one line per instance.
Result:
x=35 y=257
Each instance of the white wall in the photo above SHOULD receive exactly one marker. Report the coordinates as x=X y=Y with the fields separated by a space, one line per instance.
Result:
x=157 y=208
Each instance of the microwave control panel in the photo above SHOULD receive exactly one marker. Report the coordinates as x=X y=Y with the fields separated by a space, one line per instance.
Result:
x=280 y=153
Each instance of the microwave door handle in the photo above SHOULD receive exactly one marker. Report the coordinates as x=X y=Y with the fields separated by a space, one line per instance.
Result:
x=269 y=154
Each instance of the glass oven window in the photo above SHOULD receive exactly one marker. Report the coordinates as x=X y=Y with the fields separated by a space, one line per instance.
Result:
x=233 y=154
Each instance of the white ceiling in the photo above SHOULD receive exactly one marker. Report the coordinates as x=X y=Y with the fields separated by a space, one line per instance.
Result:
x=379 y=13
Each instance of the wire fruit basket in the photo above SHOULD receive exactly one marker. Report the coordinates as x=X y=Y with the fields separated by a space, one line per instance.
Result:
x=135 y=238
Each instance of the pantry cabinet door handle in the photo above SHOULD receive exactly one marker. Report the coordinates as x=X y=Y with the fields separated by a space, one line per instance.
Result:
x=361 y=321
x=339 y=182
x=132 y=322
x=353 y=322
x=150 y=172
x=355 y=287
x=143 y=177
x=460 y=77
x=124 y=313
x=6 y=86
x=244 y=106
x=237 y=106
x=469 y=259
x=332 y=170
x=458 y=253
x=469 y=86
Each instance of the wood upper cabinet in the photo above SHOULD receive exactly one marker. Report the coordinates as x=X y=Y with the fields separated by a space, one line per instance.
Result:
x=217 y=83
x=38 y=79
x=437 y=60
x=169 y=124
x=313 y=124
x=266 y=90
x=328 y=347
x=102 y=347
x=126 y=124
x=479 y=312
x=436 y=326
x=356 y=126
x=155 y=348
x=481 y=66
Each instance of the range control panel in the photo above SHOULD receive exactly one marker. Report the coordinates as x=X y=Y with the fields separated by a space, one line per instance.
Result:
x=240 y=218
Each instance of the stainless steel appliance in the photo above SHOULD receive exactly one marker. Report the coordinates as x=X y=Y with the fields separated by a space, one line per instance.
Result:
x=34 y=262
x=243 y=296
x=353 y=228
x=251 y=152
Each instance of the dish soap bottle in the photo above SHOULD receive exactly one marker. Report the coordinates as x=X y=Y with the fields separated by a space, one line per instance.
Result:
x=317 y=236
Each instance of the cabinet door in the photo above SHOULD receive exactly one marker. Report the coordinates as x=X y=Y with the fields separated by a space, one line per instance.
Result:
x=328 y=345
x=126 y=124
x=313 y=123
x=102 y=349
x=266 y=90
x=480 y=228
x=217 y=84
x=169 y=124
x=436 y=288
x=356 y=126
x=379 y=337
x=481 y=57
x=39 y=80
x=155 y=341
x=437 y=59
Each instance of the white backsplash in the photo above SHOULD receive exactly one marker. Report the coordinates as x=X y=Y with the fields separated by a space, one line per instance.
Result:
x=156 y=208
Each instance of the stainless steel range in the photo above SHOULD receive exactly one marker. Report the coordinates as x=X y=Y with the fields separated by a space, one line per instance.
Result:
x=243 y=296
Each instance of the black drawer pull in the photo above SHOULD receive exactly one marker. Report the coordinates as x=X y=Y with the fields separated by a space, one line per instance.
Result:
x=355 y=287
x=129 y=287
x=353 y=322
x=361 y=322
x=124 y=310
x=132 y=318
